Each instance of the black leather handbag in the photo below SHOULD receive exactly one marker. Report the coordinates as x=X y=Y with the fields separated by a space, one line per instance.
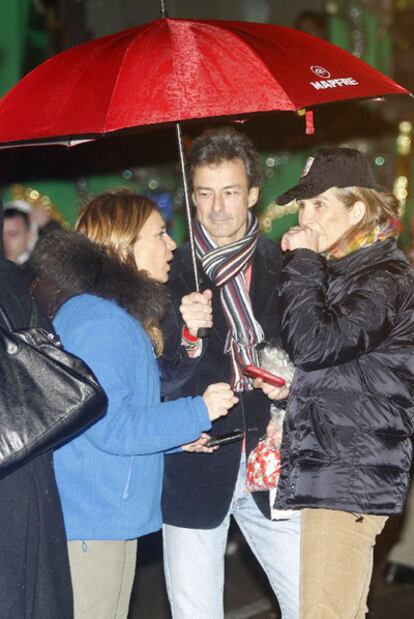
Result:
x=47 y=395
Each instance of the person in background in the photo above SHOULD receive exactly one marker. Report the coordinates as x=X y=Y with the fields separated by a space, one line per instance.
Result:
x=313 y=23
x=347 y=302
x=104 y=288
x=34 y=568
x=23 y=225
x=239 y=270
x=18 y=235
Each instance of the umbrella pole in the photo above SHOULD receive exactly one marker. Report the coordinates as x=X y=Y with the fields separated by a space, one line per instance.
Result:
x=202 y=332
x=187 y=207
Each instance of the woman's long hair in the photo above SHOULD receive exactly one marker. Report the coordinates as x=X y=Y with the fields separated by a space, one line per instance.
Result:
x=379 y=207
x=114 y=220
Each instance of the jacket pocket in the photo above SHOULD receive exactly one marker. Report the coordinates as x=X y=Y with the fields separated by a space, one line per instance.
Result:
x=323 y=429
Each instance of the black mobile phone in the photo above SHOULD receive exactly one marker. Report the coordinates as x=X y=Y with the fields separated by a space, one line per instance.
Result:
x=225 y=439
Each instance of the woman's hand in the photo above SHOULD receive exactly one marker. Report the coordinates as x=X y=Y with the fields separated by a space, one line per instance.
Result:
x=300 y=238
x=196 y=311
x=219 y=398
x=274 y=433
x=272 y=392
x=199 y=446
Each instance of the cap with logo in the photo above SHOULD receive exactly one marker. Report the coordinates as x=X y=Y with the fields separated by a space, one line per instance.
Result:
x=331 y=167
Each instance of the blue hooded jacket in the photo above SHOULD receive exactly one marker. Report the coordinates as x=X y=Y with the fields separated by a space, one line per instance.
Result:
x=110 y=477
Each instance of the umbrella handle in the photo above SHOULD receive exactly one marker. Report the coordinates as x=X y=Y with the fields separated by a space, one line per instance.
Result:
x=203 y=332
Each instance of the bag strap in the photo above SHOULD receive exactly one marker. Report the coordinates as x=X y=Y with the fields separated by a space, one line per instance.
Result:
x=34 y=317
x=5 y=317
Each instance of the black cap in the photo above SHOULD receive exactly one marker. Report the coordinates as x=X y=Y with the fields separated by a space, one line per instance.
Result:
x=331 y=167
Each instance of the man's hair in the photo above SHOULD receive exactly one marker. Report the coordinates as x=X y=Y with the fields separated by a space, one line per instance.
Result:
x=10 y=213
x=224 y=144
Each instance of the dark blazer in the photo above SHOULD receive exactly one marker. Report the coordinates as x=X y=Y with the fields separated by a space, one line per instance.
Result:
x=34 y=569
x=348 y=324
x=198 y=488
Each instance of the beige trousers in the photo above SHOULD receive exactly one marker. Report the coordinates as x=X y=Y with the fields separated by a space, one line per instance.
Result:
x=337 y=551
x=102 y=577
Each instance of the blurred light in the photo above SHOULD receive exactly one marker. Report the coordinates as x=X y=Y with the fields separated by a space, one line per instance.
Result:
x=332 y=8
x=405 y=126
x=379 y=161
x=400 y=191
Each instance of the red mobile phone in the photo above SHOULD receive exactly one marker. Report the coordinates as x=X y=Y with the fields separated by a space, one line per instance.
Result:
x=255 y=372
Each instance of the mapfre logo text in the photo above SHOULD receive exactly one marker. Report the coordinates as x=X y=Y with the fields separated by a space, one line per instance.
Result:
x=339 y=82
x=326 y=82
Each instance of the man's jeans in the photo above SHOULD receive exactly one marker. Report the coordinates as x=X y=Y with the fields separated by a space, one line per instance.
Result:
x=194 y=559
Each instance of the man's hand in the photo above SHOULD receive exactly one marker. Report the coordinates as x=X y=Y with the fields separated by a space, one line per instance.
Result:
x=199 y=446
x=272 y=392
x=300 y=238
x=196 y=311
x=219 y=398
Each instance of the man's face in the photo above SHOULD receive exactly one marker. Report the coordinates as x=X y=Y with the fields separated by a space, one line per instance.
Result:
x=222 y=199
x=16 y=237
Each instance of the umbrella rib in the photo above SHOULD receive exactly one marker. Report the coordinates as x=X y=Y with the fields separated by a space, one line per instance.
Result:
x=251 y=50
x=177 y=65
x=116 y=83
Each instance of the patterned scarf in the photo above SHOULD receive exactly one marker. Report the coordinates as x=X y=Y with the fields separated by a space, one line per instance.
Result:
x=226 y=267
x=391 y=227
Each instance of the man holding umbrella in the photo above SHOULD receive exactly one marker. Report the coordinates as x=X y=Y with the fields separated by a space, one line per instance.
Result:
x=239 y=299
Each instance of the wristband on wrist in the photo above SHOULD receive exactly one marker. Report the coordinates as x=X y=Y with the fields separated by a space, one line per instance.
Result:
x=191 y=339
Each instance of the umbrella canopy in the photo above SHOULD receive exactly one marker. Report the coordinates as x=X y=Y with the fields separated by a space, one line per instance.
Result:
x=172 y=70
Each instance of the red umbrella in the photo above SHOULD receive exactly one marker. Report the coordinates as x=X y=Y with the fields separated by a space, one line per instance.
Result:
x=171 y=70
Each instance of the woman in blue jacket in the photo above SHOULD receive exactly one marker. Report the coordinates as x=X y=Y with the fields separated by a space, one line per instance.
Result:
x=104 y=289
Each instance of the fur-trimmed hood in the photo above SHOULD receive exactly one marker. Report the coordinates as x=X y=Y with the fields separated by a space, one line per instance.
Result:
x=67 y=263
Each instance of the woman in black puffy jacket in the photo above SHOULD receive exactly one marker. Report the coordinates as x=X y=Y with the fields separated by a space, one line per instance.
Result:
x=347 y=296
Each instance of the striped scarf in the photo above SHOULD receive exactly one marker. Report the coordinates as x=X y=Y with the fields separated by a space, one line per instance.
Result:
x=226 y=267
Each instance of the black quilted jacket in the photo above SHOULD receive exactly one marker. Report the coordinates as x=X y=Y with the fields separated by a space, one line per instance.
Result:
x=348 y=324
